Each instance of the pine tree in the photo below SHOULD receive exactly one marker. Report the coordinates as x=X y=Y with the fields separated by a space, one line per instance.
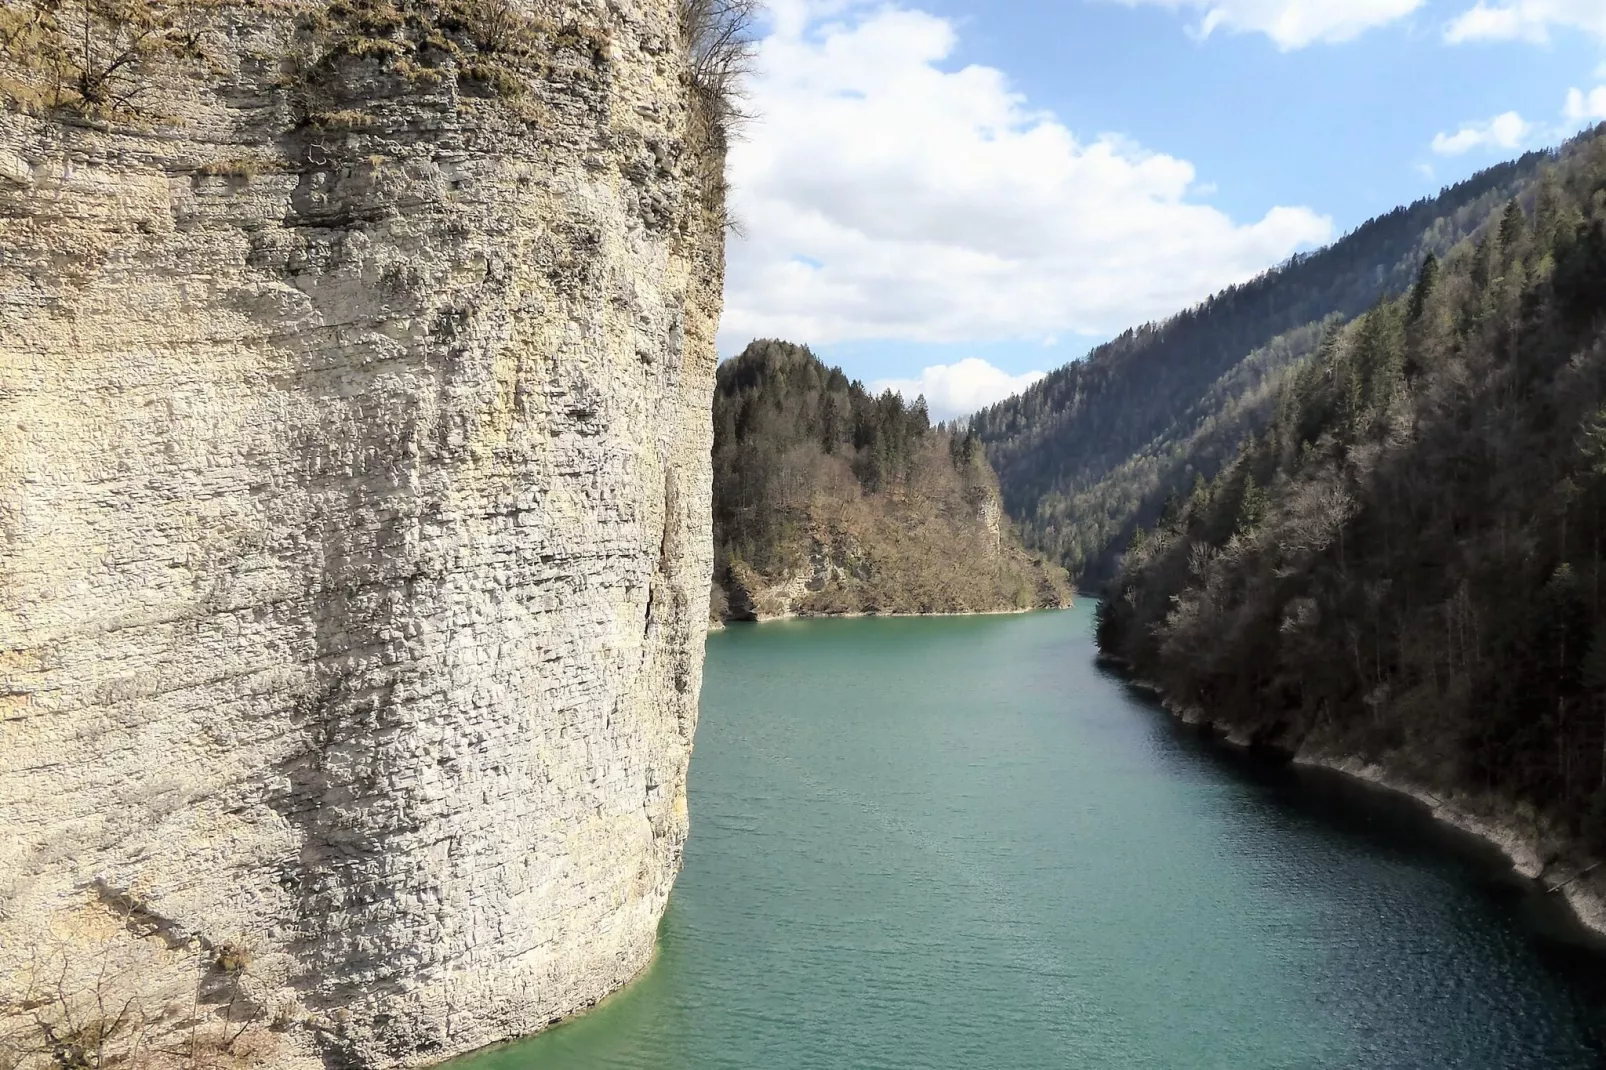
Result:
x=1512 y=226
x=1252 y=506
x=1427 y=277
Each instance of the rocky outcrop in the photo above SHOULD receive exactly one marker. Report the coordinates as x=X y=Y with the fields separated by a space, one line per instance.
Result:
x=354 y=497
x=938 y=547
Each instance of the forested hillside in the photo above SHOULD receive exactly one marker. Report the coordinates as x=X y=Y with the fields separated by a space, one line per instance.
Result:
x=830 y=500
x=1407 y=564
x=1093 y=450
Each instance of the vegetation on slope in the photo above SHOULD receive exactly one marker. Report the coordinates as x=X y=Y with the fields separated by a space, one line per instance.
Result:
x=1091 y=452
x=830 y=500
x=1408 y=563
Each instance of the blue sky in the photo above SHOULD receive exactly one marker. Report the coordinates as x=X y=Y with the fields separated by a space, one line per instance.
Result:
x=948 y=195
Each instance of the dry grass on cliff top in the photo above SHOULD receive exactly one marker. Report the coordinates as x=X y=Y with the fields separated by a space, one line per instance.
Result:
x=111 y=58
x=492 y=48
x=96 y=57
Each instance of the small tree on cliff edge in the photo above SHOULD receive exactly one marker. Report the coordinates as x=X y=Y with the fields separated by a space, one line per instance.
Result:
x=720 y=37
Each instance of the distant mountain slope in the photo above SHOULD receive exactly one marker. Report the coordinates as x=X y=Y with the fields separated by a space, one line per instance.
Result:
x=830 y=500
x=1094 y=449
x=1407 y=568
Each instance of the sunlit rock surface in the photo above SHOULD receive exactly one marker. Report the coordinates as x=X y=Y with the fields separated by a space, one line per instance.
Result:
x=354 y=516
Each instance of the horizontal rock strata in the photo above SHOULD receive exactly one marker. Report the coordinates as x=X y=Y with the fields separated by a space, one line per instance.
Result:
x=354 y=509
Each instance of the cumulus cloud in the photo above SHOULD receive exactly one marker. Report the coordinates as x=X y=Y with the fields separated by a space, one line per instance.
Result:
x=1585 y=107
x=886 y=197
x=1526 y=20
x=1507 y=131
x=959 y=389
x=1510 y=132
x=1293 y=23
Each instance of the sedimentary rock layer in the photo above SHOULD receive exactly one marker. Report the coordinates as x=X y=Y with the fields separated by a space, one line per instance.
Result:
x=354 y=511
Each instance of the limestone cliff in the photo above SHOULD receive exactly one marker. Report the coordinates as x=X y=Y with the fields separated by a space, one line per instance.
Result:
x=355 y=365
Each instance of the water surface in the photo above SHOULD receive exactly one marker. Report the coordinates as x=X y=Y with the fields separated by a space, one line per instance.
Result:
x=957 y=843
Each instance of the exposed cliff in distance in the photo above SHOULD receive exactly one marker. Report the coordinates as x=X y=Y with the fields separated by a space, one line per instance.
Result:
x=1090 y=453
x=830 y=501
x=355 y=363
x=1404 y=572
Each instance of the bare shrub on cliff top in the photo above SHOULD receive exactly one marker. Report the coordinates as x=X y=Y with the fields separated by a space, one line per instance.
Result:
x=720 y=38
x=95 y=57
x=76 y=1010
x=722 y=44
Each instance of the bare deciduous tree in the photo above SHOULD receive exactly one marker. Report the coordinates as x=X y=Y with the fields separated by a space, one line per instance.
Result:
x=720 y=37
x=99 y=57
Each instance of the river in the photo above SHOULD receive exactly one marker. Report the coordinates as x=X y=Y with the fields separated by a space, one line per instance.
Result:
x=958 y=843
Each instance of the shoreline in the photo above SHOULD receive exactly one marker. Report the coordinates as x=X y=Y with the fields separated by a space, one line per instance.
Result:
x=1525 y=849
x=1533 y=854
x=467 y=1057
x=721 y=625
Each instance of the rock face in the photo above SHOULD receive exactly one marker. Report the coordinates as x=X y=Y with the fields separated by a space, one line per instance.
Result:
x=354 y=497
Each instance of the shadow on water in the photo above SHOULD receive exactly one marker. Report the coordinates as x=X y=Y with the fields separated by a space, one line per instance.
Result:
x=1392 y=826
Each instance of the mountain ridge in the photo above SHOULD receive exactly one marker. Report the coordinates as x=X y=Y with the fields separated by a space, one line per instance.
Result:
x=1133 y=403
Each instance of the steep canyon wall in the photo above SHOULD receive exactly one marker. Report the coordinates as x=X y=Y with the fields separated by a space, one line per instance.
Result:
x=354 y=506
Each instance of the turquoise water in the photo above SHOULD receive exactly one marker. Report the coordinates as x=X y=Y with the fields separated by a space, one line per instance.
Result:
x=957 y=843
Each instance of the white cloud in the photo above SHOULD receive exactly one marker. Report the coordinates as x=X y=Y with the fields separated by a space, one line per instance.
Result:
x=959 y=389
x=1483 y=23
x=1510 y=132
x=1507 y=131
x=1582 y=107
x=1293 y=23
x=884 y=197
x=1526 y=20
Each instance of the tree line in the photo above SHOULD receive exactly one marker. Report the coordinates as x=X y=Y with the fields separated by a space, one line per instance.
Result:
x=1407 y=562
x=779 y=415
x=829 y=498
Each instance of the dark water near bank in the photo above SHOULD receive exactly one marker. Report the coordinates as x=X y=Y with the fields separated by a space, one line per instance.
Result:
x=959 y=844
